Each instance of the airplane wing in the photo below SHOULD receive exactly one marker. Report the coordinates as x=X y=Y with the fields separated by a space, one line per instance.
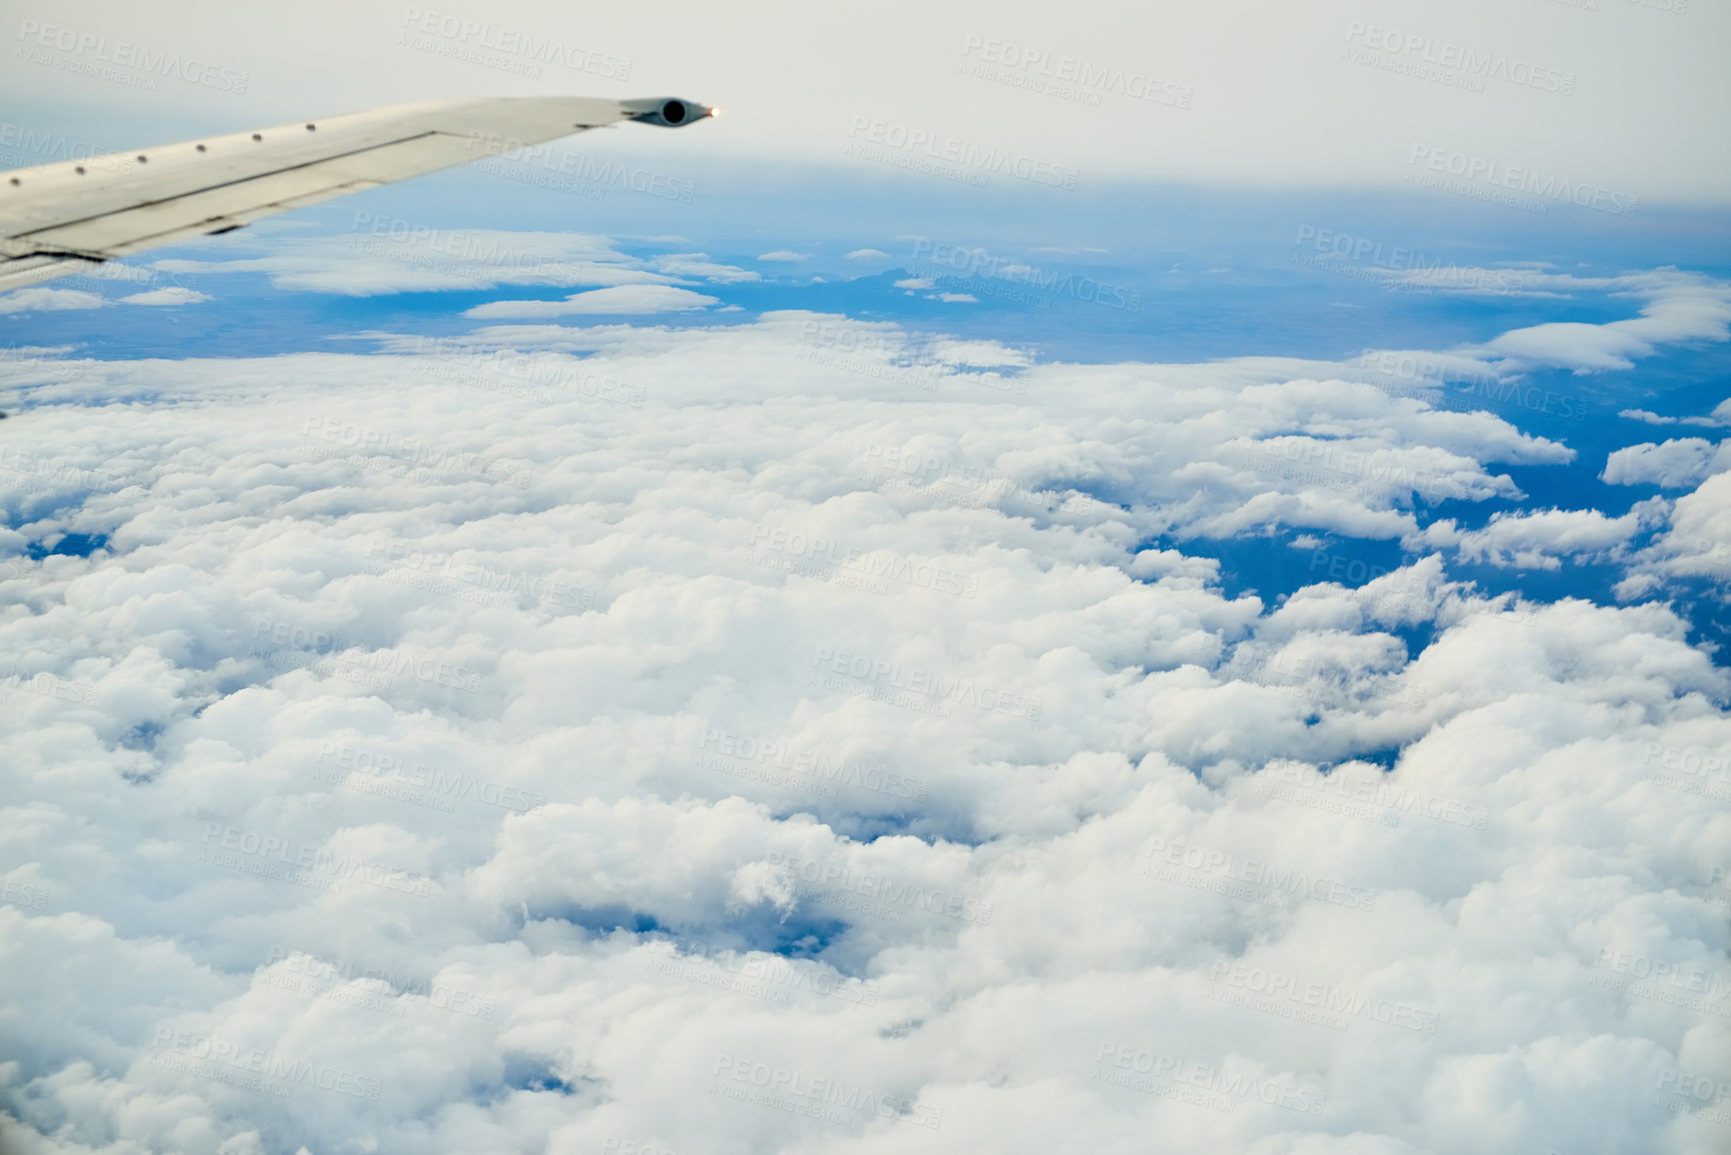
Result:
x=67 y=218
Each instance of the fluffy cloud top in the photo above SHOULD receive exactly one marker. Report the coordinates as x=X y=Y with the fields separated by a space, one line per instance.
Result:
x=571 y=737
x=1677 y=464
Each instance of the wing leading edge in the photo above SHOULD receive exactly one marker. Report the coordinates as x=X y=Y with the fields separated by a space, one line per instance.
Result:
x=67 y=218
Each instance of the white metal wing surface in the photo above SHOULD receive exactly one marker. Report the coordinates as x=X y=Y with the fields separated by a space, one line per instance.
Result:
x=66 y=218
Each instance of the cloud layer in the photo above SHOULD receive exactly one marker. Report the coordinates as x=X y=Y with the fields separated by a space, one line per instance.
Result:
x=804 y=735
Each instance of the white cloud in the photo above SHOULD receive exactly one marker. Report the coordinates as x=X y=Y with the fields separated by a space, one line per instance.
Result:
x=1677 y=464
x=172 y=295
x=622 y=300
x=989 y=354
x=995 y=787
x=36 y=299
x=868 y=255
x=784 y=255
x=1537 y=540
x=956 y=298
x=699 y=265
x=1681 y=307
x=1696 y=542
x=400 y=256
x=915 y=283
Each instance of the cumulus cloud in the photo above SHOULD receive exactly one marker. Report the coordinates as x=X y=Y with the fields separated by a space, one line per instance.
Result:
x=1694 y=544
x=624 y=299
x=1680 y=308
x=784 y=255
x=1677 y=464
x=171 y=295
x=1539 y=540
x=699 y=265
x=566 y=736
x=36 y=299
x=868 y=255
